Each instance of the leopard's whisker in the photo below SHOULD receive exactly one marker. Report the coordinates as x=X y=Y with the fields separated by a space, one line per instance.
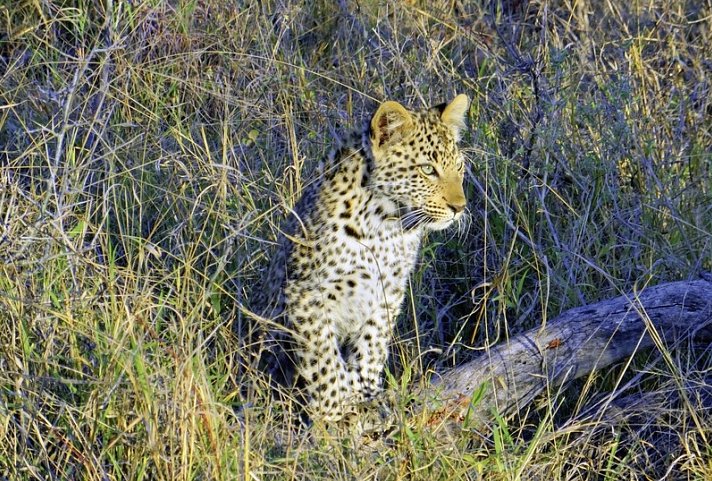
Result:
x=463 y=225
x=414 y=218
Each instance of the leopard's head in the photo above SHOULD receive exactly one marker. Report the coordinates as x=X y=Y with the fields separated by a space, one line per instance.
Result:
x=417 y=163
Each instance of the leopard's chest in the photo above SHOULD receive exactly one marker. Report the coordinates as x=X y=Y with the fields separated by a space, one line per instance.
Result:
x=386 y=256
x=354 y=259
x=364 y=274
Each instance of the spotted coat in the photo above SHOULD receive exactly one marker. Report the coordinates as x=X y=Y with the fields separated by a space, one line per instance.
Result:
x=337 y=282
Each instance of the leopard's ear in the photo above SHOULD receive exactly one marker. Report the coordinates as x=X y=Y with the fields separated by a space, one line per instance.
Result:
x=455 y=113
x=390 y=124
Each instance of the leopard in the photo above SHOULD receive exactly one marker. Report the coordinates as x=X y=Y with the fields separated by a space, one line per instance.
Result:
x=337 y=282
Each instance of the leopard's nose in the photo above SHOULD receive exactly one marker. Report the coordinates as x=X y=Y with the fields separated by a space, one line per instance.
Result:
x=455 y=198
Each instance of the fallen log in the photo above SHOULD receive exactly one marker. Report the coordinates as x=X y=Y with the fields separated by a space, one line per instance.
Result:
x=577 y=342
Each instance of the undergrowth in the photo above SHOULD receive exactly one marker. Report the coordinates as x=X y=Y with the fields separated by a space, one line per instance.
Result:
x=149 y=151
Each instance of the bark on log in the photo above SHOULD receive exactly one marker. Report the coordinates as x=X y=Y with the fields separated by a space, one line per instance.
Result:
x=510 y=375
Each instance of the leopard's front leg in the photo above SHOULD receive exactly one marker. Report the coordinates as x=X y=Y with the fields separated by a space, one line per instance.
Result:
x=319 y=360
x=369 y=355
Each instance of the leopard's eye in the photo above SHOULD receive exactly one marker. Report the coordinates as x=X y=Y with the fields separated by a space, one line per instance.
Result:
x=460 y=165
x=428 y=170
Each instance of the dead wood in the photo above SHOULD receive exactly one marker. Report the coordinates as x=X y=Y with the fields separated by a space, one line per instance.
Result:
x=574 y=344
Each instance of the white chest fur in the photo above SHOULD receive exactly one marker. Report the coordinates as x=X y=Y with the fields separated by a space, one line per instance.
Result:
x=371 y=274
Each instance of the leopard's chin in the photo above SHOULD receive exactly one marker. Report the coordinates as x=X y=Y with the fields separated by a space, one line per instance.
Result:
x=440 y=224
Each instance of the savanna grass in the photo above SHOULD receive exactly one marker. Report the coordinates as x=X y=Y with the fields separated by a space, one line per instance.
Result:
x=149 y=151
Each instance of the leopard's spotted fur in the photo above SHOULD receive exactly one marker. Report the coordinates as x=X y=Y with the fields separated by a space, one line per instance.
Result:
x=338 y=279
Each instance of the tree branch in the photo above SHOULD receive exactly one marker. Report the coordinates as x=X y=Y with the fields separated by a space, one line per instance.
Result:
x=510 y=375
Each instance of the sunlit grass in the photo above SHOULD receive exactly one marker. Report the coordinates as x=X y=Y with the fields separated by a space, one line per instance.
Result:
x=149 y=152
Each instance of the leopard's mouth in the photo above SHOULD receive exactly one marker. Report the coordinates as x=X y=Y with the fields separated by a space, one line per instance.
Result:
x=415 y=218
x=441 y=224
x=443 y=219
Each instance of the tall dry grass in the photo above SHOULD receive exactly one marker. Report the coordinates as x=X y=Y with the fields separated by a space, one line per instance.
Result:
x=150 y=149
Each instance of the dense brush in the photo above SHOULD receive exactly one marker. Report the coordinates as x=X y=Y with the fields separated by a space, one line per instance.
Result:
x=149 y=151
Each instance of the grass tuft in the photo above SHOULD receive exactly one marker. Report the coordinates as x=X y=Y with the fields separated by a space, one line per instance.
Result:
x=149 y=151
